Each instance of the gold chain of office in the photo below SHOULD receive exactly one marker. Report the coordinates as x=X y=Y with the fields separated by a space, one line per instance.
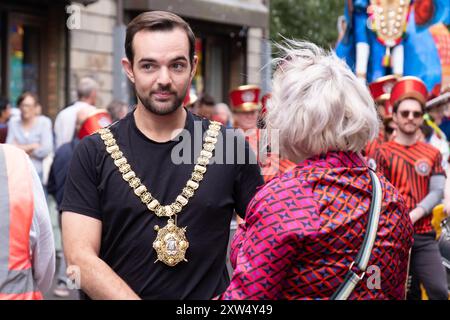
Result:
x=170 y=243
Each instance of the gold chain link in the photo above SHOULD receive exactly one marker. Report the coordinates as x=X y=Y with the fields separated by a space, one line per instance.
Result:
x=141 y=191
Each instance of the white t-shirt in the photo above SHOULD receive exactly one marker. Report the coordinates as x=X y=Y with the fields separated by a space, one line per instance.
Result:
x=65 y=123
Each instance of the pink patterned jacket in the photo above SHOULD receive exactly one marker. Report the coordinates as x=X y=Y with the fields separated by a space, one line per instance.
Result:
x=303 y=230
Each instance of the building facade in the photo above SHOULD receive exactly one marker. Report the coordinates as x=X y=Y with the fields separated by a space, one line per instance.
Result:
x=46 y=46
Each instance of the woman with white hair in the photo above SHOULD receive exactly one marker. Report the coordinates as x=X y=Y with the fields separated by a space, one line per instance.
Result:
x=313 y=232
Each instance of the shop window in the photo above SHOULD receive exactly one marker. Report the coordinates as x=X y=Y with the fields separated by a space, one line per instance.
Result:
x=24 y=57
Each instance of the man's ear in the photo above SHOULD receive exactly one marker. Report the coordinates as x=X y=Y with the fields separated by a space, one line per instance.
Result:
x=128 y=68
x=394 y=117
x=194 y=66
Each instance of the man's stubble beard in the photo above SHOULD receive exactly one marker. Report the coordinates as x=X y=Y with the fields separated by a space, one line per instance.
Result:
x=150 y=106
x=408 y=133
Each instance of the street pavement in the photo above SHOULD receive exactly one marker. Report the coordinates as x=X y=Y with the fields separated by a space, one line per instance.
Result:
x=54 y=215
x=73 y=294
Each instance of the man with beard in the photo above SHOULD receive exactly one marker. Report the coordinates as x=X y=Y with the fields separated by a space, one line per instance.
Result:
x=414 y=167
x=148 y=201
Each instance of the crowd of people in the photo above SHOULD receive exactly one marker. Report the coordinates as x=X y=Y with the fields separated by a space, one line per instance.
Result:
x=353 y=181
x=33 y=133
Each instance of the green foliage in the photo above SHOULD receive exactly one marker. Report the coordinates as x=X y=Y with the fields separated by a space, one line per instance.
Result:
x=312 y=20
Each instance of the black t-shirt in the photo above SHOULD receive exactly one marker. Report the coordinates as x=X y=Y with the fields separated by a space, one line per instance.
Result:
x=95 y=188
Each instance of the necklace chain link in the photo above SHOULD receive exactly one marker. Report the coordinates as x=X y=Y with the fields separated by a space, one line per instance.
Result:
x=141 y=191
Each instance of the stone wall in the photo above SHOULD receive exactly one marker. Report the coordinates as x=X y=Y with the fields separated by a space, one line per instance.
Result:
x=254 y=56
x=91 y=52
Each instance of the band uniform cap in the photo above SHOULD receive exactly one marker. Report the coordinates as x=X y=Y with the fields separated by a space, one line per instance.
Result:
x=245 y=98
x=381 y=88
x=388 y=108
x=97 y=120
x=443 y=98
x=409 y=88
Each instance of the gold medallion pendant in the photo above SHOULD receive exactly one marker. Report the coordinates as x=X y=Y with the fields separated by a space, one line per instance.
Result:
x=170 y=244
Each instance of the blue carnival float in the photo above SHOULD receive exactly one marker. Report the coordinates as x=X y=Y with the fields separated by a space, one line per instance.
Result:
x=400 y=37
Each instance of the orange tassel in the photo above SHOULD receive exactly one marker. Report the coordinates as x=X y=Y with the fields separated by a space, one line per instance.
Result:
x=387 y=58
x=386 y=61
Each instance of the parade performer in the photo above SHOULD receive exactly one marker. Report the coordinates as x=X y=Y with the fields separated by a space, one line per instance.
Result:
x=413 y=30
x=415 y=169
x=304 y=230
x=245 y=106
x=146 y=214
x=435 y=114
x=381 y=92
x=27 y=249
x=382 y=43
x=247 y=113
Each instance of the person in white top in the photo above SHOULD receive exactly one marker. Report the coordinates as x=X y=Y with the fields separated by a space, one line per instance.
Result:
x=65 y=120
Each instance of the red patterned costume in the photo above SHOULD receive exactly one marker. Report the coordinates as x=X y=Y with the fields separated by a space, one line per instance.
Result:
x=409 y=169
x=303 y=230
x=415 y=169
x=373 y=145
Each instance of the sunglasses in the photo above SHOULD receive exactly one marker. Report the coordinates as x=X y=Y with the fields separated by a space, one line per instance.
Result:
x=416 y=114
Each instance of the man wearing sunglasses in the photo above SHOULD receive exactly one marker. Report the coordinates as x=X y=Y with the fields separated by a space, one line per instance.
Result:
x=415 y=169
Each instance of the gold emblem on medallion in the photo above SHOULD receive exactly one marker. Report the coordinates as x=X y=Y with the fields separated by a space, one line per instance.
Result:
x=390 y=19
x=171 y=244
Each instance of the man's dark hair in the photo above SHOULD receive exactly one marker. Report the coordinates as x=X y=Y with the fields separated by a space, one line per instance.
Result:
x=27 y=94
x=207 y=100
x=4 y=102
x=427 y=131
x=157 y=21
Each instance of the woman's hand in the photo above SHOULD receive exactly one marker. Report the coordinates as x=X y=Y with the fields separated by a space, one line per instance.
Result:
x=28 y=148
